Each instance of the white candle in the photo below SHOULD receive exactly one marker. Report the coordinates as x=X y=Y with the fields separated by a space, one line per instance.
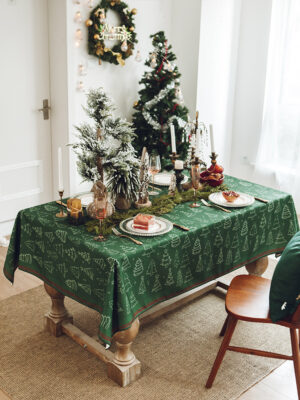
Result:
x=173 y=142
x=60 y=172
x=212 y=143
x=197 y=150
x=178 y=164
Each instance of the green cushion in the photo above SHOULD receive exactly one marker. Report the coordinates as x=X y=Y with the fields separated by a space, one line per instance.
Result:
x=285 y=285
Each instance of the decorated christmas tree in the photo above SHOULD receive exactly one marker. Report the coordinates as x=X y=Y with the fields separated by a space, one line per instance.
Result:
x=105 y=148
x=161 y=104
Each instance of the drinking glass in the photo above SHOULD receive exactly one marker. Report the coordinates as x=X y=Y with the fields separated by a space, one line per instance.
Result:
x=154 y=168
x=195 y=178
x=101 y=211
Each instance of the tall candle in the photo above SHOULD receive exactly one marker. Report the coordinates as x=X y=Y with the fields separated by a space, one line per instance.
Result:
x=212 y=143
x=197 y=150
x=173 y=141
x=193 y=140
x=60 y=172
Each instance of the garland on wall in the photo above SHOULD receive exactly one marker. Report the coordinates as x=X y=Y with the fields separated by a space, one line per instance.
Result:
x=99 y=30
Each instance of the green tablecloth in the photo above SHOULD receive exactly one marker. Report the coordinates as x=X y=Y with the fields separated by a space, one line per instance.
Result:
x=122 y=280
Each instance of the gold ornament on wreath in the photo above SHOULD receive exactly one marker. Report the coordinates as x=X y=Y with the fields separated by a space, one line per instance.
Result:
x=99 y=31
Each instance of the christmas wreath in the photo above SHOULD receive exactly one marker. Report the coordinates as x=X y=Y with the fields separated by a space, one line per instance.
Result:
x=100 y=30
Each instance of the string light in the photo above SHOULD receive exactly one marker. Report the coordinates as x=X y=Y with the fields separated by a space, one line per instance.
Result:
x=78 y=17
x=138 y=56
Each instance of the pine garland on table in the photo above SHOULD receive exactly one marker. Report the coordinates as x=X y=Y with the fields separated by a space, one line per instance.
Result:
x=160 y=205
x=160 y=104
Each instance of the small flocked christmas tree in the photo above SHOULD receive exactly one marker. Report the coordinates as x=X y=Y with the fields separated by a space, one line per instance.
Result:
x=160 y=104
x=106 y=147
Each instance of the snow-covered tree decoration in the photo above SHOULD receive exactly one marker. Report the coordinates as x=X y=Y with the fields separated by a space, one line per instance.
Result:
x=160 y=104
x=105 y=148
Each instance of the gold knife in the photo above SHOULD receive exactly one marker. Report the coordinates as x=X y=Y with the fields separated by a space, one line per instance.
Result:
x=262 y=200
x=184 y=228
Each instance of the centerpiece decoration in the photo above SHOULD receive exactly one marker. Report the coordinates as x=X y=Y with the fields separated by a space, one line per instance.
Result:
x=160 y=109
x=99 y=31
x=105 y=153
x=213 y=175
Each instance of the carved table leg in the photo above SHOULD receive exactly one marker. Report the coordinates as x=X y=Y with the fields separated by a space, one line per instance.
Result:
x=125 y=368
x=257 y=267
x=58 y=313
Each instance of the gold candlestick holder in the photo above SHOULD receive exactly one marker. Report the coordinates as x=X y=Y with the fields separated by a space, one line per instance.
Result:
x=174 y=157
x=213 y=158
x=61 y=214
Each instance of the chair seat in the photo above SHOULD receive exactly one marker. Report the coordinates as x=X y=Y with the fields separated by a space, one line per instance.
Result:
x=248 y=298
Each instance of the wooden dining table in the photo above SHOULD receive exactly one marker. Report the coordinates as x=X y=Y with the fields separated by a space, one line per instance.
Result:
x=129 y=283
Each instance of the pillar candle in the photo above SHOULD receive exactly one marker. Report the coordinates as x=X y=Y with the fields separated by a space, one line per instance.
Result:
x=60 y=172
x=197 y=150
x=178 y=164
x=173 y=142
x=212 y=143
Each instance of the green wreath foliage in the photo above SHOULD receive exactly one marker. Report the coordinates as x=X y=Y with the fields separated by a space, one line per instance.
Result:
x=97 y=47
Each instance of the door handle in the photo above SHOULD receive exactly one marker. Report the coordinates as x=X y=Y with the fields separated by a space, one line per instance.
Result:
x=46 y=108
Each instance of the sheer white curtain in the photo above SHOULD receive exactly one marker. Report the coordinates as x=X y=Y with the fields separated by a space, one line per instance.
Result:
x=279 y=147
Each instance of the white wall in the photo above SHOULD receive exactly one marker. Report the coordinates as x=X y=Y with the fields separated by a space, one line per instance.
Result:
x=250 y=85
x=219 y=33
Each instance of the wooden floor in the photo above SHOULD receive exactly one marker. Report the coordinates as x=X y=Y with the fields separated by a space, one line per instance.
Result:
x=279 y=385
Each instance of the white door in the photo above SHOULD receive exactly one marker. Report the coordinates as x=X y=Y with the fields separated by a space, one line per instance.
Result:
x=25 y=141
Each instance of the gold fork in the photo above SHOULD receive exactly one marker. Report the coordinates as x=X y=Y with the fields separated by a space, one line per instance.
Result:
x=117 y=233
x=214 y=206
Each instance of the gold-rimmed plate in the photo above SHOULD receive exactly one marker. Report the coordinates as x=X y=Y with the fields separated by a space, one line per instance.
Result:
x=160 y=227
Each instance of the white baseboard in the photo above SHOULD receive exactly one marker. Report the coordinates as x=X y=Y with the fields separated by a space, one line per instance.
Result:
x=6 y=228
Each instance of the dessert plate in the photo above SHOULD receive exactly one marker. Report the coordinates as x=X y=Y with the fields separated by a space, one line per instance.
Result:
x=160 y=227
x=164 y=179
x=242 y=201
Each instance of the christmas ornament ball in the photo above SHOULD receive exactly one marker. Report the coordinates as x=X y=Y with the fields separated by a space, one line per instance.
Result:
x=134 y=11
x=88 y=22
x=135 y=103
x=112 y=3
x=96 y=36
x=131 y=28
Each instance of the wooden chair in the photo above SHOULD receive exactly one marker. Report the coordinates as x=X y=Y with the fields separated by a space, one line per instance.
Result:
x=247 y=299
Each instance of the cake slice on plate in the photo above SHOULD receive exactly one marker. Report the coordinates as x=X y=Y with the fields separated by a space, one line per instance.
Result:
x=143 y=221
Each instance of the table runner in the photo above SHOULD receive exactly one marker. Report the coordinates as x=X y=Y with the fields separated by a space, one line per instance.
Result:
x=122 y=280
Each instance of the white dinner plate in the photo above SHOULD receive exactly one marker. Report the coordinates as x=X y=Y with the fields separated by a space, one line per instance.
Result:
x=160 y=227
x=242 y=201
x=164 y=179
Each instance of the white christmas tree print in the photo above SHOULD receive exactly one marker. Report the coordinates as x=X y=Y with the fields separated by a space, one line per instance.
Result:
x=280 y=239
x=228 y=260
x=138 y=268
x=176 y=260
x=186 y=243
x=197 y=247
x=179 y=279
x=263 y=238
x=199 y=266
x=62 y=235
x=188 y=276
x=263 y=222
x=220 y=257
x=71 y=284
x=170 y=280
x=89 y=272
x=244 y=230
x=125 y=263
x=235 y=241
x=227 y=223
x=86 y=288
x=218 y=240
x=142 y=287
x=185 y=260
x=62 y=269
x=156 y=285
x=237 y=256
x=175 y=241
x=256 y=244
x=270 y=239
x=291 y=230
x=127 y=283
x=227 y=241
x=245 y=245
x=253 y=230
x=166 y=259
x=236 y=225
x=275 y=223
x=151 y=270
x=207 y=248
x=285 y=212
x=49 y=236
x=270 y=207
x=49 y=266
